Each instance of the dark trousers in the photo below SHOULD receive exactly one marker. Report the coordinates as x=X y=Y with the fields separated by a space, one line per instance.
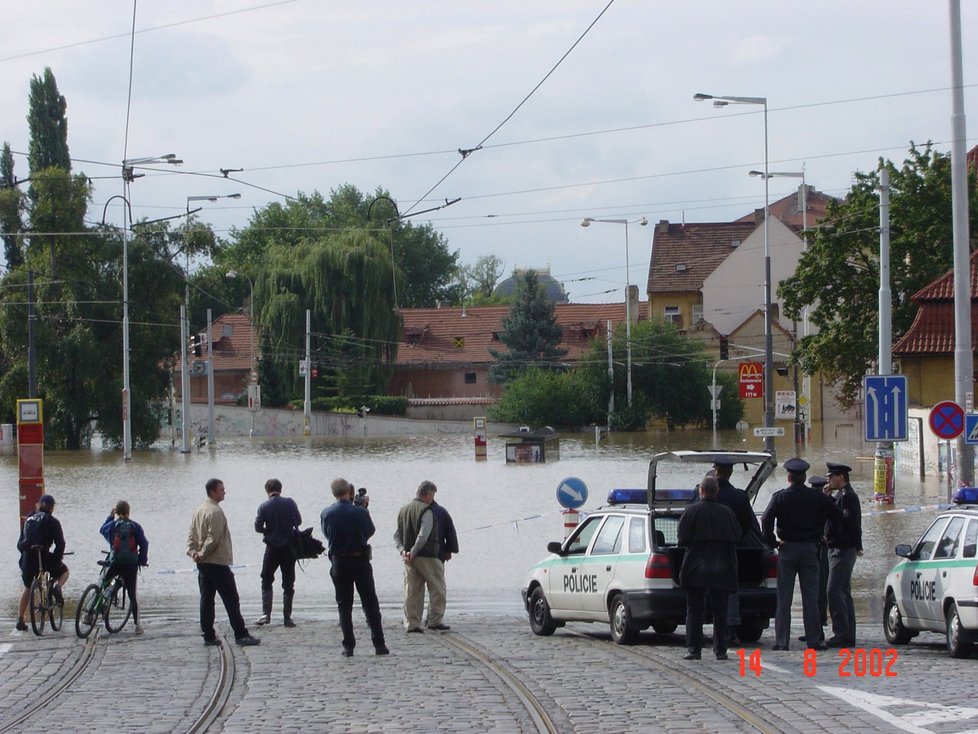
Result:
x=841 y=563
x=797 y=559
x=347 y=572
x=213 y=578
x=695 y=611
x=129 y=575
x=823 y=583
x=278 y=557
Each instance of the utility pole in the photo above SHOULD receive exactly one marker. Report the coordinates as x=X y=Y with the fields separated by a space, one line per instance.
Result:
x=883 y=464
x=184 y=381
x=307 y=403
x=31 y=349
x=611 y=379
x=211 y=431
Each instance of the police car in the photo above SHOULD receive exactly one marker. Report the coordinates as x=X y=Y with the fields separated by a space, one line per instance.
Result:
x=621 y=565
x=935 y=587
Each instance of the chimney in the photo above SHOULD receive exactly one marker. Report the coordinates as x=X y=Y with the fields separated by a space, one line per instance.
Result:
x=662 y=227
x=633 y=303
x=759 y=216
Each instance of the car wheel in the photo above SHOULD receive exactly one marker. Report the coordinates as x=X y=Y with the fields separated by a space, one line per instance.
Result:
x=956 y=646
x=540 y=620
x=749 y=633
x=896 y=633
x=664 y=628
x=623 y=631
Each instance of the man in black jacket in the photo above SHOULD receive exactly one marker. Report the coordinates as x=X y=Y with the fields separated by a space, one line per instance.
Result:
x=43 y=529
x=800 y=513
x=278 y=521
x=845 y=541
x=709 y=531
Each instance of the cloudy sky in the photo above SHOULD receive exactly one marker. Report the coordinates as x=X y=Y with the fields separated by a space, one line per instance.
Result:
x=310 y=94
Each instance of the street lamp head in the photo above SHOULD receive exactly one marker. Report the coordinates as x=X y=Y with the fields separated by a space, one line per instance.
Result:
x=720 y=103
x=758 y=173
x=587 y=221
x=643 y=222
x=700 y=97
x=231 y=274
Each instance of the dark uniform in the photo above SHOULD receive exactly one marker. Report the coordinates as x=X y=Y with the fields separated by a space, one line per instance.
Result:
x=800 y=513
x=348 y=529
x=278 y=521
x=709 y=531
x=819 y=483
x=845 y=541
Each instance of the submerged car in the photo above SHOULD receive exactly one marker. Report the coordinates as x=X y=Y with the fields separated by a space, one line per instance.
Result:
x=934 y=587
x=621 y=565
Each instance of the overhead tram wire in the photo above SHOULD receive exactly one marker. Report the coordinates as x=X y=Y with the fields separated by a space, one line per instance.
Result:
x=465 y=153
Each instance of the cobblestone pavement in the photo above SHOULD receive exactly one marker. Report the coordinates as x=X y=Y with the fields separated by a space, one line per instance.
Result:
x=297 y=679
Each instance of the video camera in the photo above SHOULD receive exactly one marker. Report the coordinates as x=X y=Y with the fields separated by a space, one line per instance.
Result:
x=361 y=499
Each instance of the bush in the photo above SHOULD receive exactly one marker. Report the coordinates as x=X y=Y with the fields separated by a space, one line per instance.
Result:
x=549 y=398
x=378 y=404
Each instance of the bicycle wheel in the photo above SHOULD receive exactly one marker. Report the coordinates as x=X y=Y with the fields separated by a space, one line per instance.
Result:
x=118 y=610
x=86 y=616
x=56 y=610
x=36 y=604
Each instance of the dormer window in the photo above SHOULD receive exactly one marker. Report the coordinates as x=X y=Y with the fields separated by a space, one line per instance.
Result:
x=681 y=267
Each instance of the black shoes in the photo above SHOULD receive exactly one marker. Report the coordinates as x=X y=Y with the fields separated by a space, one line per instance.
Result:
x=779 y=648
x=212 y=643
x=415 y=630
x=692 y=655
x=247 y=641
x=382 y=650
x=263 y=620
x=21 y=625
x=722 y=656
x=59 y=598
x=289 y=623
x=348 y=652
x=818 y=646
x=802 y=638
x=440 y=627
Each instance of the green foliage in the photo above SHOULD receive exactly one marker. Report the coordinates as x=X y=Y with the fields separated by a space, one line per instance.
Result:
x=48 y=125
x=531 y=333
x=839 y=273
x=11 y=210
x=378 y=404
x=542 y=397
x=482 y=276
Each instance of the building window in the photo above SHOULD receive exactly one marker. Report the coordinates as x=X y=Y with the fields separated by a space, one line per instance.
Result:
x=681 y=267
x=470 y=378
x=673 y=316
x=697 y=312
x=495 y=336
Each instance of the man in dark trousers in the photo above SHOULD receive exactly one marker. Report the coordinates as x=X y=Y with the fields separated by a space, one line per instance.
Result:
x=348 y=529
x=448 y=537
x=41 y=528
x=800 y=513
x=278 y=521
x=739 y=503
x=709 y=531
x=821 y=484
x=845 y=541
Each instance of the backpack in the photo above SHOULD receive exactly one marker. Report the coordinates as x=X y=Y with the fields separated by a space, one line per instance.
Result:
x=124 y=544
x=28 y=536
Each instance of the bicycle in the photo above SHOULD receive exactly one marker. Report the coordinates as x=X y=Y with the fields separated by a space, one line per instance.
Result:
x=43 y=603
x=106 y=600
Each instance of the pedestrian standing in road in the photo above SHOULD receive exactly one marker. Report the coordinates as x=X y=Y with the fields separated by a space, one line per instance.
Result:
x=821 y=484
x=799 y=512
x=41 y=528
x=845 y=541
x=750 y=531
x=348 y=529
x=209 y=546
x=417 y=538
x=130 y=552
x=448 y=540
x=278 y=521
x=709 y=532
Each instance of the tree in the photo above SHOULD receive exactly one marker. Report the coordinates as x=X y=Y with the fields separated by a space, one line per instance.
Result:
x=11 y=210
x=546 y=397
x=483 y=275
x=530 y=332
x=48 y=125
x=838 y=275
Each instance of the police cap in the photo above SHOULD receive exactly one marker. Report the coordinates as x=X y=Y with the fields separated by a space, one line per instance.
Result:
x=723 y=461
x=817 y=481
x=834 y=468
x=796 y=465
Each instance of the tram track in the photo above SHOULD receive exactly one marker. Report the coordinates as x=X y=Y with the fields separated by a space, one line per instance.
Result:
x=54 y=692
x=534 y=707
x=222 y=691
x=676 y=673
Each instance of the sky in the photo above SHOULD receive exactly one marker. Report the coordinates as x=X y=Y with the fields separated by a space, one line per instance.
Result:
x=584 y=108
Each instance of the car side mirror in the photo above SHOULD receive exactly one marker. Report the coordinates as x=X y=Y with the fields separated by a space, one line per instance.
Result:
x=903 y=550
x=554 y=547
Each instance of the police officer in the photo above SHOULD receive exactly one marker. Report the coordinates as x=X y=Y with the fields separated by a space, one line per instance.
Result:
x=799 y=512
x=820 y=483
x=348 y=529
x=845 y=541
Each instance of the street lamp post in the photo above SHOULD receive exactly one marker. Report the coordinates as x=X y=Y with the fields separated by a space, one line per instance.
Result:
x=806 y=381
x=231 y=275
x=642 y=221
x=127 y=178
x=723 y=101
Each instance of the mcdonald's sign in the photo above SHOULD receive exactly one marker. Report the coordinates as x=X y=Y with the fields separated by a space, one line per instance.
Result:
x=751 y=380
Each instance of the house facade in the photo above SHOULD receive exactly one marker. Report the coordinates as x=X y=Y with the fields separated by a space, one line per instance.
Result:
x=235 y=349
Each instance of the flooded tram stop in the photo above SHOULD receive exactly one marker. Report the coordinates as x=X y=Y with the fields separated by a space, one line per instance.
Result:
x=532 y=447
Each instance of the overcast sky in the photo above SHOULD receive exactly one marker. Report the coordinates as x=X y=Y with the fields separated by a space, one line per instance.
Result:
x=307 y=95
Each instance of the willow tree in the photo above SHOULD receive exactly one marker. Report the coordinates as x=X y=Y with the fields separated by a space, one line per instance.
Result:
x=345 y=281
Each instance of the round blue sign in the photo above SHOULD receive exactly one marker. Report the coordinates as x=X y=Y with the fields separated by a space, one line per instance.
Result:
x=572 y=493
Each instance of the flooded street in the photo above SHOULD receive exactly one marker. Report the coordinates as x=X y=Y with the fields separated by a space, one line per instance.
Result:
x=505 y=514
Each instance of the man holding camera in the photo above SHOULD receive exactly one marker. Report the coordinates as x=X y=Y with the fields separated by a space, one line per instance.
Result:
x=278 y=521
x=348 y=528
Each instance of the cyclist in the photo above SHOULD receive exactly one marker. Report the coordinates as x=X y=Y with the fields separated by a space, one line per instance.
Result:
x=129 y=551
x=43 y=529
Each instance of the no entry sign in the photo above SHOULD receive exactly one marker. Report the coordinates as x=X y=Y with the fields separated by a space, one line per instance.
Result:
x=751 y=380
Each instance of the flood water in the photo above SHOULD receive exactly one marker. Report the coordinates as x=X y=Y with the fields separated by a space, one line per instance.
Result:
x=505 y=514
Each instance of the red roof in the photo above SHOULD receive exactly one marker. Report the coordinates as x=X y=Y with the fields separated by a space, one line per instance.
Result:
x=684 y=255
x=452 y=336
x=788 y=209
x=232 y=343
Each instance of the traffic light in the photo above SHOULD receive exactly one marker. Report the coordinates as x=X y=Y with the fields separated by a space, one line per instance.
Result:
x=724 y=348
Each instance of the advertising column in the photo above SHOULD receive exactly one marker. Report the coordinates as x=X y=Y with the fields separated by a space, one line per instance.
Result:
x=30 y=453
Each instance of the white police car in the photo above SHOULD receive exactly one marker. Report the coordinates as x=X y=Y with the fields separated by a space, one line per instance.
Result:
x=935 y=587
x=621 y=565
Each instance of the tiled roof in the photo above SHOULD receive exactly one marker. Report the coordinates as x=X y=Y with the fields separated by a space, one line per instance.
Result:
x=232 y=343
x=683 y=255
x=942 y=289
x=451 y=336
x=788 y=209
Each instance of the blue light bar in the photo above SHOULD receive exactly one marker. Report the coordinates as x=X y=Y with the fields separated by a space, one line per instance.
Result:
x=966 y=496
x=628 y=497
x=674 y=496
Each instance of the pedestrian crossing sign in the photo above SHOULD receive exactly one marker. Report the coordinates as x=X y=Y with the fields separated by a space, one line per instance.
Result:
x=971 y=428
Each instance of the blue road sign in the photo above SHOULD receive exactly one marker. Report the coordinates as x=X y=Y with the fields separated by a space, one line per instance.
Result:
x=885 y=409
x=572 y=493
x=971 y=428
